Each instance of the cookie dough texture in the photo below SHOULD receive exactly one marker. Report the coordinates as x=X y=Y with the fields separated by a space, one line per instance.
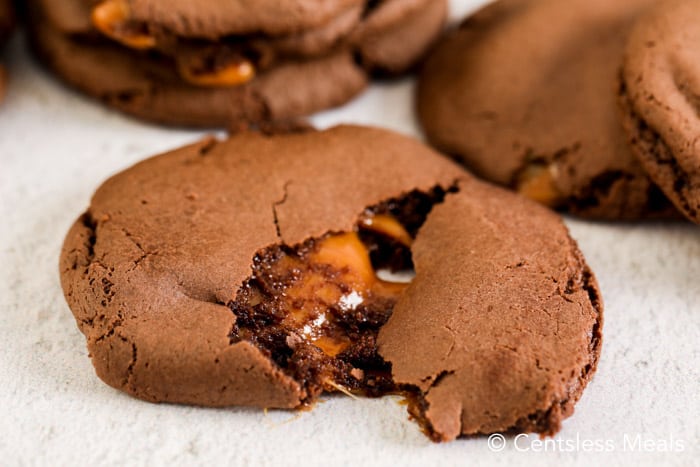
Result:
x=526 y=83
x=500 y=328
x=659 y=94
x=308 y=55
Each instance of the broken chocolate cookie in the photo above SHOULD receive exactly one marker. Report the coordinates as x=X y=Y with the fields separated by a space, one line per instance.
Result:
x=249 y=272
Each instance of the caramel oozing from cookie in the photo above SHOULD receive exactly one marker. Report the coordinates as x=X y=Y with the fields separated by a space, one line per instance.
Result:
x=387 y=225
x=113 y=19
x=336 y=275
x=316 y=308
x=537 y=183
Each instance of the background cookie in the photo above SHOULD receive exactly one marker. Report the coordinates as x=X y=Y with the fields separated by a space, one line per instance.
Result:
x=182 y=64
x=523 y=93
x=229 y=273
x=659 y=96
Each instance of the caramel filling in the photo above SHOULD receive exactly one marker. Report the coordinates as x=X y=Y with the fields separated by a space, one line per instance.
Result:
x=537 y=183
x=319 y=307
x=218 y=69
x=337 y=275
x=316 y=308
x=233 y=73
x=113 y=19
x=387 y=225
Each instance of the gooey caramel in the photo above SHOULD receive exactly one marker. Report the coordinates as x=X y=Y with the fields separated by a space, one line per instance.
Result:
x=537 y=182
x=327 y=291
x=113 y=19
x=338 y=276
x=234 y=73
x=386 y=225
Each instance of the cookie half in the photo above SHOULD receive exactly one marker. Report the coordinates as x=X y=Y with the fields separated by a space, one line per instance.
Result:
x=659 y=91
x=203 y=64
x=524 y=94
x=247 y=272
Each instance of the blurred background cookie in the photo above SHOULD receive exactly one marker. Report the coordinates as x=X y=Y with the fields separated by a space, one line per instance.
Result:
x=524 y=94
x=660 y=97
x=217 y=64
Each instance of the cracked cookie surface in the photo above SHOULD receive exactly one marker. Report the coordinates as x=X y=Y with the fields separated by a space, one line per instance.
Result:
x=524 y=94
x=242 y=272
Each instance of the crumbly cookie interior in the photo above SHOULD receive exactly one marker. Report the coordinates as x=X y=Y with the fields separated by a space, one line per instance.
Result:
x=316 y=308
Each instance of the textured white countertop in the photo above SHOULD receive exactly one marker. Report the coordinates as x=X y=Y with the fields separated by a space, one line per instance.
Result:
x=56 y=147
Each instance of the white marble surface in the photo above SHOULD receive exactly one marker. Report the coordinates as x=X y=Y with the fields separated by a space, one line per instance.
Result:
x=55 y=149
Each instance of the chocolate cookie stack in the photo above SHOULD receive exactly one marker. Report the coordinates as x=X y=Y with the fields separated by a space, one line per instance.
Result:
x=209 y=64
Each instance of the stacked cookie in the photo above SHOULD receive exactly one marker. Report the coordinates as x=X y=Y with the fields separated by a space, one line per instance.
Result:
x=205 y=63
x=525 y=93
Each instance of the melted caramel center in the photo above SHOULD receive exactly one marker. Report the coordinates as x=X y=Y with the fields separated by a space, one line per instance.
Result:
x=537 y=183
x=387 y=225
x=234 y=73
x=337 y=276
x=113 y=19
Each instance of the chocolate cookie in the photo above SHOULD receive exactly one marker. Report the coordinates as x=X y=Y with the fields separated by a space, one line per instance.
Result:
x=7 y=22
x=230 y=273
x=523 y=93
x=208 y=64
x=660 y=99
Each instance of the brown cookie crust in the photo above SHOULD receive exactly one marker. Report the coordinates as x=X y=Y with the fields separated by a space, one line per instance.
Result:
x=522 y=84
x=514 y=349
x=165 y=245
x=212 y=19
x=659 y=92
x=398 y=32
